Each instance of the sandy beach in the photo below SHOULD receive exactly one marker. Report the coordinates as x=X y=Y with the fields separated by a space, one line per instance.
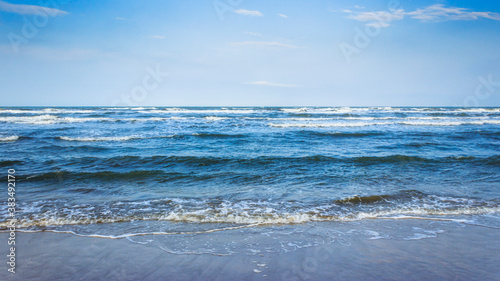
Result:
x=457 y=253
x=249 y=140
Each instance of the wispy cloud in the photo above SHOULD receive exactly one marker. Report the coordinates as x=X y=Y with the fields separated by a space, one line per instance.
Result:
x=120 y=18
x=271 y=84
x=378 y=24
x=29 y=9
x=157 y=37
x=263 y=44
x=377 y=18
x=249 y=13
x=253 y=33
x=437 y=12
x=283 y=16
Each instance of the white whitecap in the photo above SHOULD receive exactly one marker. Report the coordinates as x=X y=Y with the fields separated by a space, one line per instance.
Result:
x=8 y=139
x=98 y=139
x=47 y=119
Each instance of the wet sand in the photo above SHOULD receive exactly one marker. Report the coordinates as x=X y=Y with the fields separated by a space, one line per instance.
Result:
x=458 y=253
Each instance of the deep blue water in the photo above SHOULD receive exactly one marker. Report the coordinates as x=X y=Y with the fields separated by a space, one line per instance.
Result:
x=82 y=166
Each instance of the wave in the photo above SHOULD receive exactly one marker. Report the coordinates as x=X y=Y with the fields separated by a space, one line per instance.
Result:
x=451 y=123
x=9 y=139
x=333 y=118
x=101 y=175
x=396 y=110
x=492 y=160
x=53 y=119
x=364 y=199
x=200 y=111
x=251 y=212
x=398 y=122
x=20 y=111
x=478 y=110
x=136 y=137
x=449 y=118
x=215 y=118
x=48 y=119
x=343 y=134
x=307 y=117
x=218 y=135
x=154 y=119
x=311 y=216
x=335 y=111
x=47 y=110
x=245 y=218
x=100 y=139
x=10 y=163
x=157 y=167
x=322 y=125
x=61 y=110
x=209 y=160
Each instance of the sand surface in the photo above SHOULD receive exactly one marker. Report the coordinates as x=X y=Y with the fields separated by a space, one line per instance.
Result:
x=460 y=253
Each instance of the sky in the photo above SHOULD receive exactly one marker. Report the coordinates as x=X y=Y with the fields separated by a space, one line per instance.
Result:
x=249 y=53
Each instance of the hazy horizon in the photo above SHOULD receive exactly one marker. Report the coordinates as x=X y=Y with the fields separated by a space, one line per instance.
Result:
x=252 y=106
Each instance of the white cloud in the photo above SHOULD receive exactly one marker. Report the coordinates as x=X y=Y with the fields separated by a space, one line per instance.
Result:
x=378 y=18
x=30 y=9
x=263 y=44
x=271 y=84
x=120 y=18
x=437 y=12
x=253 y=33
x=249 y=13
x=157 y=37
x=283 y=16
x=359 y=7
x=378 y=24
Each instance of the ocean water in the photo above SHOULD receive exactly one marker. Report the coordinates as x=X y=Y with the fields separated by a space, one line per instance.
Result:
x=158 y=171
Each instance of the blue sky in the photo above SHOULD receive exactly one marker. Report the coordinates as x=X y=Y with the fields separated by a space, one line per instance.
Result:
x=243 y=53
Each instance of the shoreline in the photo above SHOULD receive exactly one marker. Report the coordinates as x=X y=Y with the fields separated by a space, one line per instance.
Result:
x=456 y=252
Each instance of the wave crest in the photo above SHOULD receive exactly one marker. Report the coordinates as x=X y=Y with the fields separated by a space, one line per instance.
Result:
x=9 y=139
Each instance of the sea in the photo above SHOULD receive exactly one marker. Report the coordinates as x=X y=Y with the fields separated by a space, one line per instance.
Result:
x=172 y=177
